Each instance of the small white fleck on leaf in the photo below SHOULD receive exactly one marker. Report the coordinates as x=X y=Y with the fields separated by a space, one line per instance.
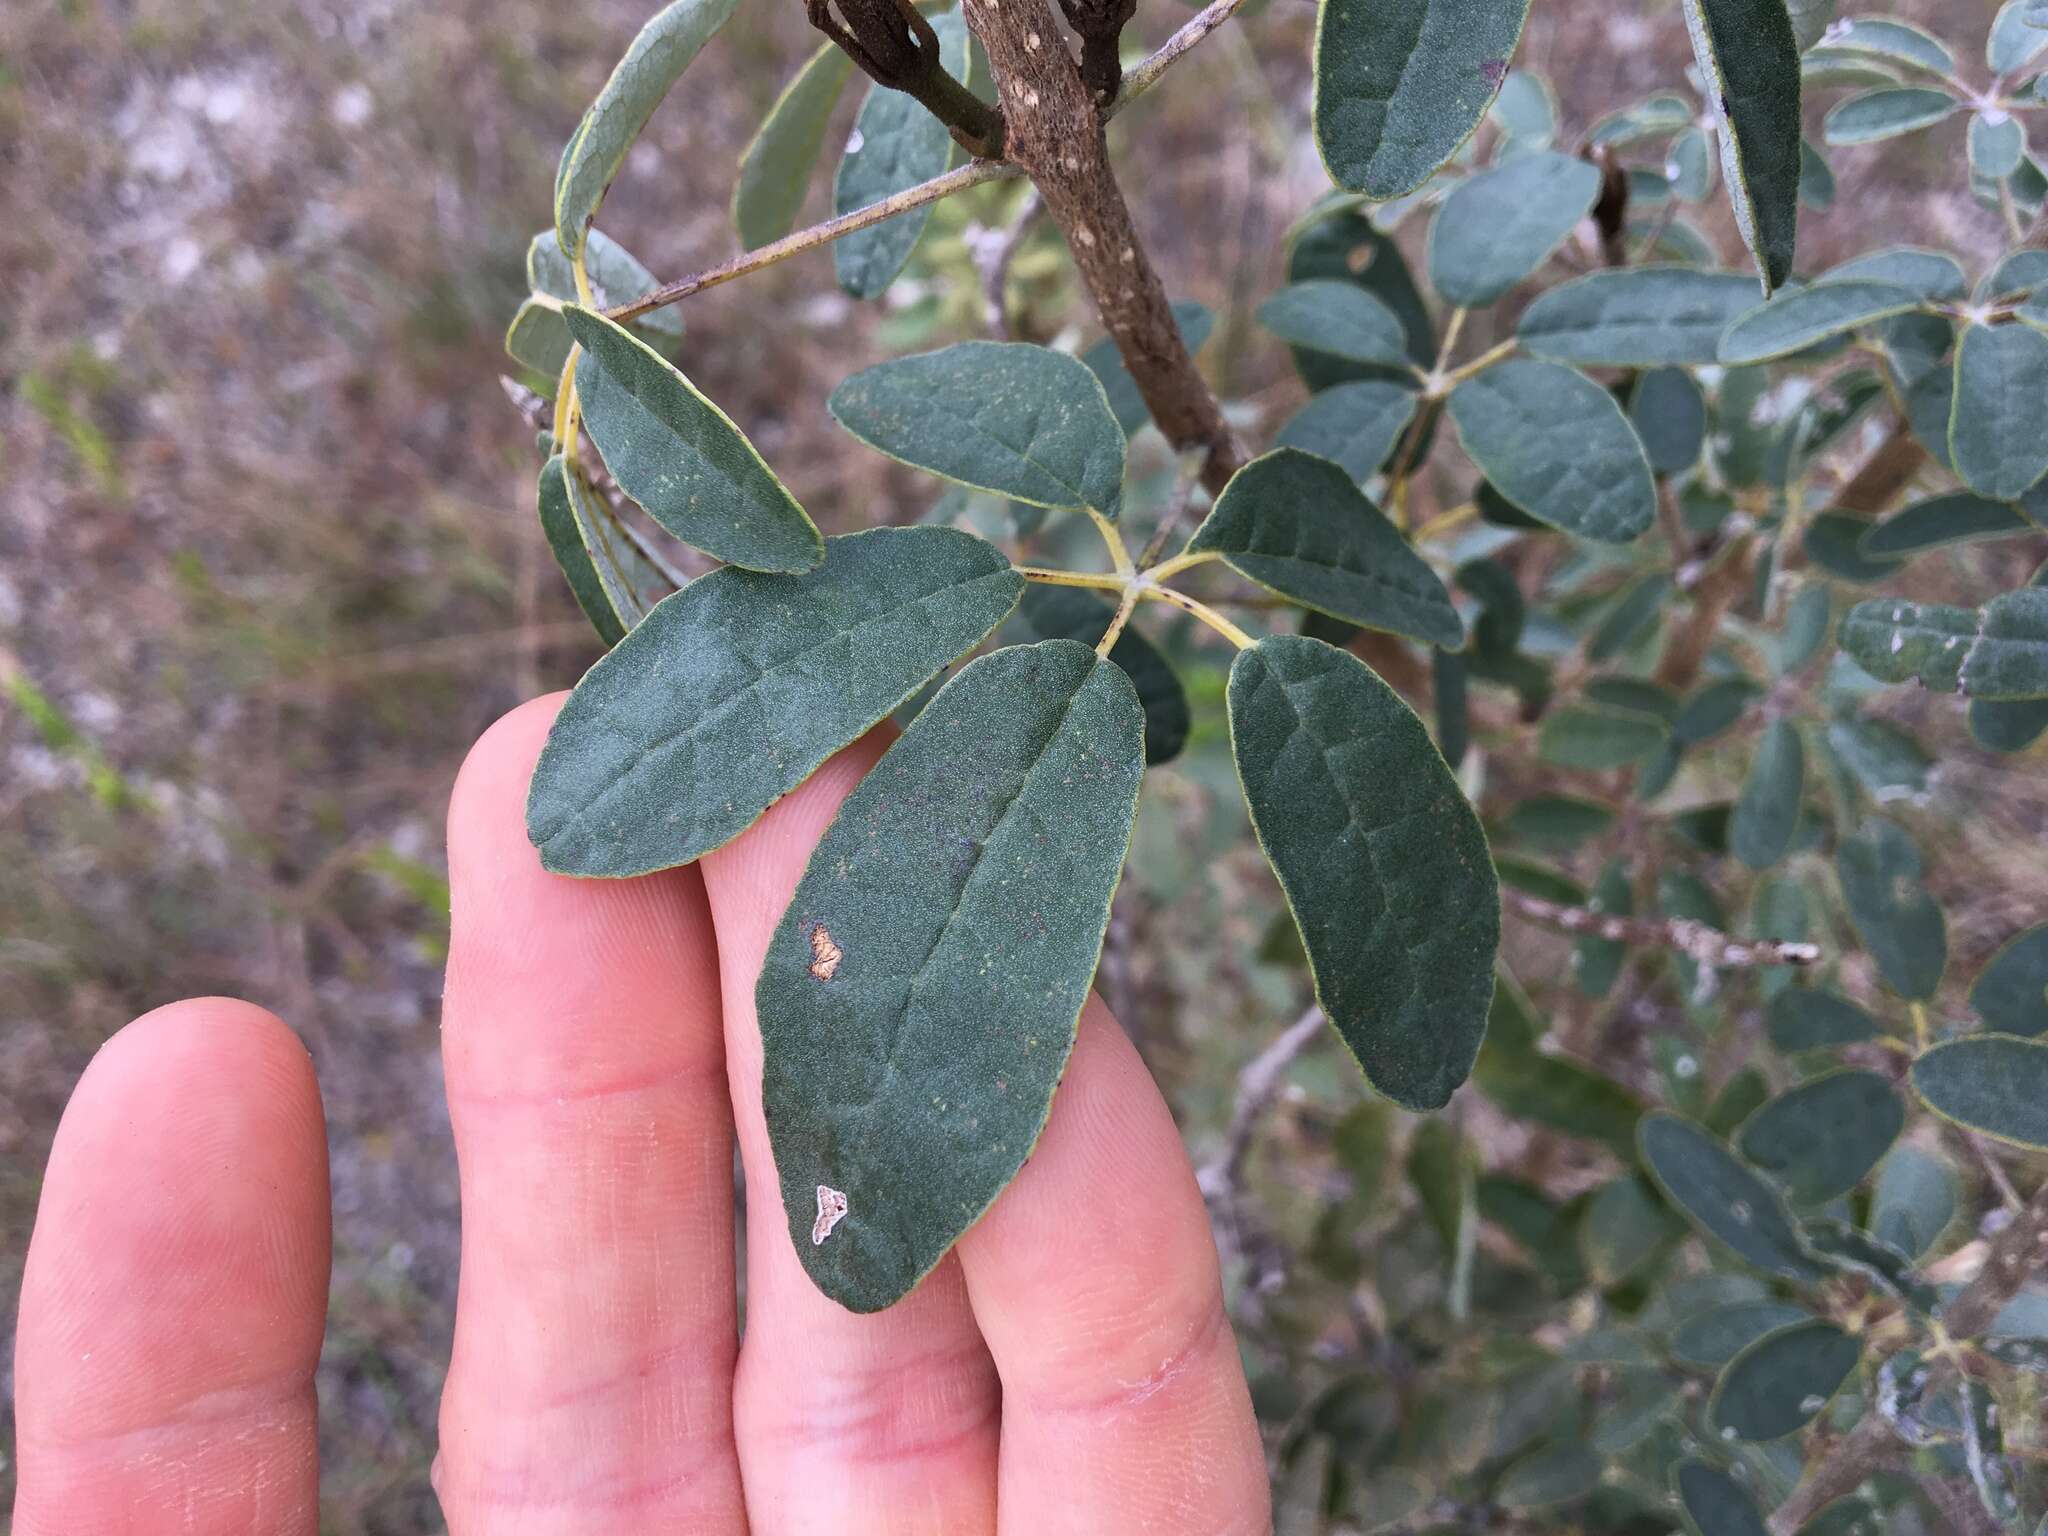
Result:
x=831 y=1211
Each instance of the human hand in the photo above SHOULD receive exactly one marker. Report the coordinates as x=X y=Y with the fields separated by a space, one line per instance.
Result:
x=1067 y=1369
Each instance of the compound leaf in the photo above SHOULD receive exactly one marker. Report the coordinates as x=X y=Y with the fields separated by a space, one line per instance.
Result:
x=919 y=998
x=1400 y=86
x=1782 y=1380
x=681 y=457
x=1002 y=416
x=1637 y=317
x=775 y=170
x=1558 y=447
x=1996 y=1084
x=1380 y=856
x=1820 y=1138
x=1500 y=225
x=732 y=691
x=653 y=63
x=1301 y=526
x=1750 y=60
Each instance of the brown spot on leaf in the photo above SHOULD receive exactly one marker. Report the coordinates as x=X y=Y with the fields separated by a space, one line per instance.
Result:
x=825 y=955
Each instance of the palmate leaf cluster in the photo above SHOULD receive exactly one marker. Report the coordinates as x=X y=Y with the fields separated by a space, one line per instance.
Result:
x=1662 y=647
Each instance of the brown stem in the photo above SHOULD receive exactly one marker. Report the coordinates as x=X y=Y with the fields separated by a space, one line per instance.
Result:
x=1055 y=134
x=1882 y=476
x=1707 y=945
x=1716 y=591
x=895 y=46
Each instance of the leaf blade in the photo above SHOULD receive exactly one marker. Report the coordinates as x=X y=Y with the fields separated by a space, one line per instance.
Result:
x=1558 y=447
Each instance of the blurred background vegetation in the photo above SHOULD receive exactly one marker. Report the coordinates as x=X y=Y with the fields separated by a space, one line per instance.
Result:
x=268 y=561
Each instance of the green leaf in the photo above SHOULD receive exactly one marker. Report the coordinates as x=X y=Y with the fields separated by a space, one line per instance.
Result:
x=1356 y=425
x=1997 y=143
x=1557 y=823
x=1017 y=420
x=1885 y=760
x=1637 y=612
x=1898 y=921
x=1914 y=1202
x=1898 y=41
x=1798 y=319
x=1816 y=179
x=1721 y=1195
x=1996 y=1084
x=537 y=338
x=2016 y=37
x=1934 y=275
x=653 y=63
x=615 y=274
x=1598 y=739
x=630 y=583
x=731 y=692
x=1557 y=446
x=1637 y=317
x=896 y=143
x=1625 y=1227
x=1525 y=112
x=1342 y=319
x=1670 y=416
x=1055 y=613
x=919 y=998
x=1820 y=1138
x=1106 y=362
x=680 y=456
x=1750 y=61
x=1810 y=19
x=776 y=169
x=2009 y=726
x=1656 y=117
x=1301 y=526
x=1713 y=709
x=1760 y=833
x=1545 y=1478
x=1885 y=113
x=1501 y=225
x=1596 y=963
x=1995 y=429
x=1960 y=517
x=1896 y=641
x=1834 y=542
x=2010 y=658
x=1335 y=239
x=564 y=532
x=1711 y=1339
x=1714 y=1504
x=1399 y=87
x=1556 y=1091
x=1689 y=167
x=1380 y=856
x=1779 y=1383
x=2011 y=993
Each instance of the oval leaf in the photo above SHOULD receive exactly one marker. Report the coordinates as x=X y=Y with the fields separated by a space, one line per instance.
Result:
x=1715 y=1504
x=1997 y=1084
x=1760 y=832
x=1597 y=739
x=1713 y=1338
x=1781 y=1381
x=564 y=530
x=736 y=688
x=1885 y=113
x=1960 y=517
x=1637 y=317
x=653 y=63
x=775 y=171
x=1930 y=274
x=1500 y=225
x=1820 y=1138
x=1995 y=435
x=1815 y=1019
x=1381 y=858
x=1898 y=922
x=1400 y=85
x=680 y=456
x=1557 y=446
x=1003 y=416
x=1068 y=613
x=1549 y=1477
x=895 y=144
x=1898 y=642
x=1794 y=321
x=1750 y=60
x=2010 y=659
x=1914 y=1202
x=1670 y=416
x=1341 y=319
x=1721 y=1195
x=2011 y=993
x=1301 y=526
x=919 y=998
x=1356 y=425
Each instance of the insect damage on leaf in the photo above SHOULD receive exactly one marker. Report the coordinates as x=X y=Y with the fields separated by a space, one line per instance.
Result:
x=831 y=1211
x=825 y=955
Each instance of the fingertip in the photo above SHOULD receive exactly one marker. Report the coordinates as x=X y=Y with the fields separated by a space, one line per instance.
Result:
x=491 y=786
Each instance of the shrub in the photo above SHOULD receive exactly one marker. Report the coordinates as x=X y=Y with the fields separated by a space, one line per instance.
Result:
x=1745 y=1241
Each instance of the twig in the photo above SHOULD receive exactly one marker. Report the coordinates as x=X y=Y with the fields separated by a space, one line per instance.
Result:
x=1709 y=946
x=995 y=252
x=1146 y=75
x=972 y=174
